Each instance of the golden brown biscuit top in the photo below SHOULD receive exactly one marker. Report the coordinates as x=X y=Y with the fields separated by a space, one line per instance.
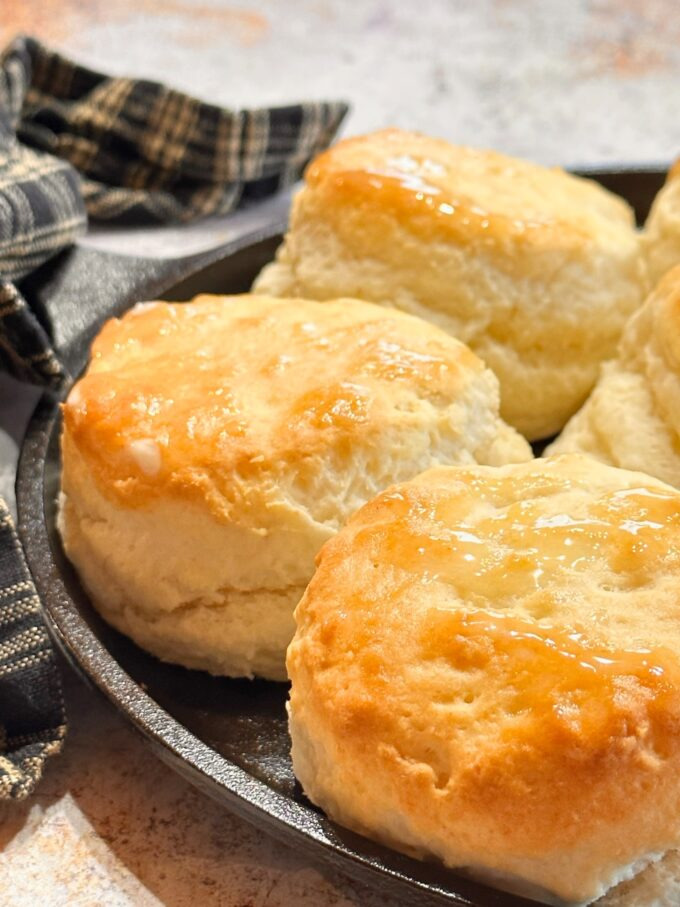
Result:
x=514 y=633
x=438 y=189
x=205 y=396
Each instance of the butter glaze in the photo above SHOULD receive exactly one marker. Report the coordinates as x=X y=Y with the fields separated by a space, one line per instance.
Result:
x=550 y=664
x=521 y=547
x=438 y=191
x=225 y=387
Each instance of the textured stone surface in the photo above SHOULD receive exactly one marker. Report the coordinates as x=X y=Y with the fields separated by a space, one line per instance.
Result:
x=112 y=825
x=592 y=81
x=589 y=80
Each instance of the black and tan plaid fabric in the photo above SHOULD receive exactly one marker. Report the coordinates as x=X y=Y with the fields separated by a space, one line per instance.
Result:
x=41 y=205
x=32 y=719
x=148 y=153
x=127 y=150
x=74 y=141
x=25 y=348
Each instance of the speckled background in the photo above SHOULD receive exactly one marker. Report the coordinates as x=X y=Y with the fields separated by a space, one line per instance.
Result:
x=585 y=80
x=560 y=82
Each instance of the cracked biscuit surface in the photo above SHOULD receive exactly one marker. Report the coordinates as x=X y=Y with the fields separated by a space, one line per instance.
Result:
x=212 y=447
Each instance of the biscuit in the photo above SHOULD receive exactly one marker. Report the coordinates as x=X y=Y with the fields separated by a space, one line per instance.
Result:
x=632 y=418
x=536 y=270
x=213 y=446
x=661 y=234
x=486 y=670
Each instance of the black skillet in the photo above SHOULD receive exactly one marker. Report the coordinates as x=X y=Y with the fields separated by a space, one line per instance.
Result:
x=228 y=737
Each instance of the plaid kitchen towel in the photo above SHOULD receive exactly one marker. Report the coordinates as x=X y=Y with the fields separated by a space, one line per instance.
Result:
x=73 y=143
x=127 y=150
x=32 y=717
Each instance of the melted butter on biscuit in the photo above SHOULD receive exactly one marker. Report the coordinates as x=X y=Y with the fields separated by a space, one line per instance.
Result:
x=147 y=455
x=187 y=396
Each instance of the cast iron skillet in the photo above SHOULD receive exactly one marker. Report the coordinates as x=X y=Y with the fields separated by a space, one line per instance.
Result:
x=228 y=737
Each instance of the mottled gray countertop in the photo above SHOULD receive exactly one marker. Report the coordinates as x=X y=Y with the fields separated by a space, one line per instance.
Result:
x=572 y=83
